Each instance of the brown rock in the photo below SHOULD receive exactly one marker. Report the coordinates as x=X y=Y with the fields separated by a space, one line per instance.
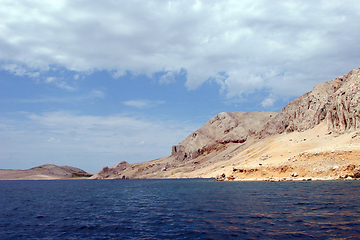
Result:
x=223 y=128
x=221 y=177
x=113 y=172
x=336 y=102
x=294 y=174
x=356 y=172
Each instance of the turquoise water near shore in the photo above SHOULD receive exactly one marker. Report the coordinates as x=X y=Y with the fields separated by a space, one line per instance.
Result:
x=179 y=209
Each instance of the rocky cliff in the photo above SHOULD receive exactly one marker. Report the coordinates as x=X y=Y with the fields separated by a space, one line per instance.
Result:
x=214 y=137
x=224 y=128
x=336 y=102
x=264 y=145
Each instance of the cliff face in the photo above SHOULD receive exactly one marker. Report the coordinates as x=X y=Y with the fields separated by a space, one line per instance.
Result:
x=224 y=128
x=115 y=171
x=336 y=102
x=211 y=139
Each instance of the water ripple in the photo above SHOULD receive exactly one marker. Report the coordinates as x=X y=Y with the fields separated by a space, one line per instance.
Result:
x=179 y=209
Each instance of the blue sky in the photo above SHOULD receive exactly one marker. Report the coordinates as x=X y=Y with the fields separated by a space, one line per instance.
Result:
x=90 y=84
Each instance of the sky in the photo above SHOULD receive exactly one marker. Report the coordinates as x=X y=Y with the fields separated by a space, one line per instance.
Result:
x=92 y=83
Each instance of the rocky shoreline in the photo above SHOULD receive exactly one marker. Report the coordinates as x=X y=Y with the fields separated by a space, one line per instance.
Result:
x=297 y=179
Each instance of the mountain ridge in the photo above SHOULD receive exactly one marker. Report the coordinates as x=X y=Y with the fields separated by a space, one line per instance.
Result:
x=229 y=144
x=335 y=101
x=44 y=172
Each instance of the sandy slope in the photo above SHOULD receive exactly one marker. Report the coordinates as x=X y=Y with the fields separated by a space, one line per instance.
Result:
x=313 y=154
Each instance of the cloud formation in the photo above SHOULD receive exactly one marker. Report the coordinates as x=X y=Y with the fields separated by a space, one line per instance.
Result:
x=143 y=103
x=269 y=101
x=72 y=99
x=284 y=46
x=63 y=137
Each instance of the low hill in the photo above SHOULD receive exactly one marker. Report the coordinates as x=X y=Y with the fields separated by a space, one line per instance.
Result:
x=316 y=136
x=44 y=172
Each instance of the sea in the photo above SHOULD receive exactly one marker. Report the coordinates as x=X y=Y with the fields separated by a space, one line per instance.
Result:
x=179 y=209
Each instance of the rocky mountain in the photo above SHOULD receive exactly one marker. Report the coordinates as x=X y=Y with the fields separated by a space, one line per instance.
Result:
x=44 y=172
x=224 y=128
x=222 y=132
x=334 y=102
x=314 y=136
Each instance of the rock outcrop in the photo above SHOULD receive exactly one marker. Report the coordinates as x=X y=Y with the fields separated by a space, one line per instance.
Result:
x=224 y=128
x=116 y=170
x=335 y=102
x=356 y=172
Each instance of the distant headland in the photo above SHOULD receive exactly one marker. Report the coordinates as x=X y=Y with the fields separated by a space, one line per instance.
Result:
x=44 y=172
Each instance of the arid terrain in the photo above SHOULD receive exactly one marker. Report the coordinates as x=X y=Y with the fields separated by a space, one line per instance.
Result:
x=315 y=137
x=44 y=172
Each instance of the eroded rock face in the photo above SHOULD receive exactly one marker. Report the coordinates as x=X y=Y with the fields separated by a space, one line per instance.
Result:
x=356 y=172
x=221 y=177
x=113 y=172
x=223 y=128
x=336 y=102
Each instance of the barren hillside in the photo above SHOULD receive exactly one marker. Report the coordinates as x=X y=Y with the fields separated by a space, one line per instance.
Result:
x=314 y=137
x=43 y=172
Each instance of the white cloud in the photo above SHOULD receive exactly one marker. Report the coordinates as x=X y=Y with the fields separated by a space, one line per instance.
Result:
x=269 y=101
x=85 y=141
x=50 y=79
x=285 y=46
x=18 y=70
x=95 y=94
x=60 y=83
x=118 y=73
x=167 y=78
x=53 y=140
x=71 y=99
x=143 y=103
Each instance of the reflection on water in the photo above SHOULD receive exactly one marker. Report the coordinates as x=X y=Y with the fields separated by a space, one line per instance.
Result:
x=179 y=209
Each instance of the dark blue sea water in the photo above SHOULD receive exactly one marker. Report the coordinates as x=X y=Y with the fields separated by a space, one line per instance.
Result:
x=179 y=209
